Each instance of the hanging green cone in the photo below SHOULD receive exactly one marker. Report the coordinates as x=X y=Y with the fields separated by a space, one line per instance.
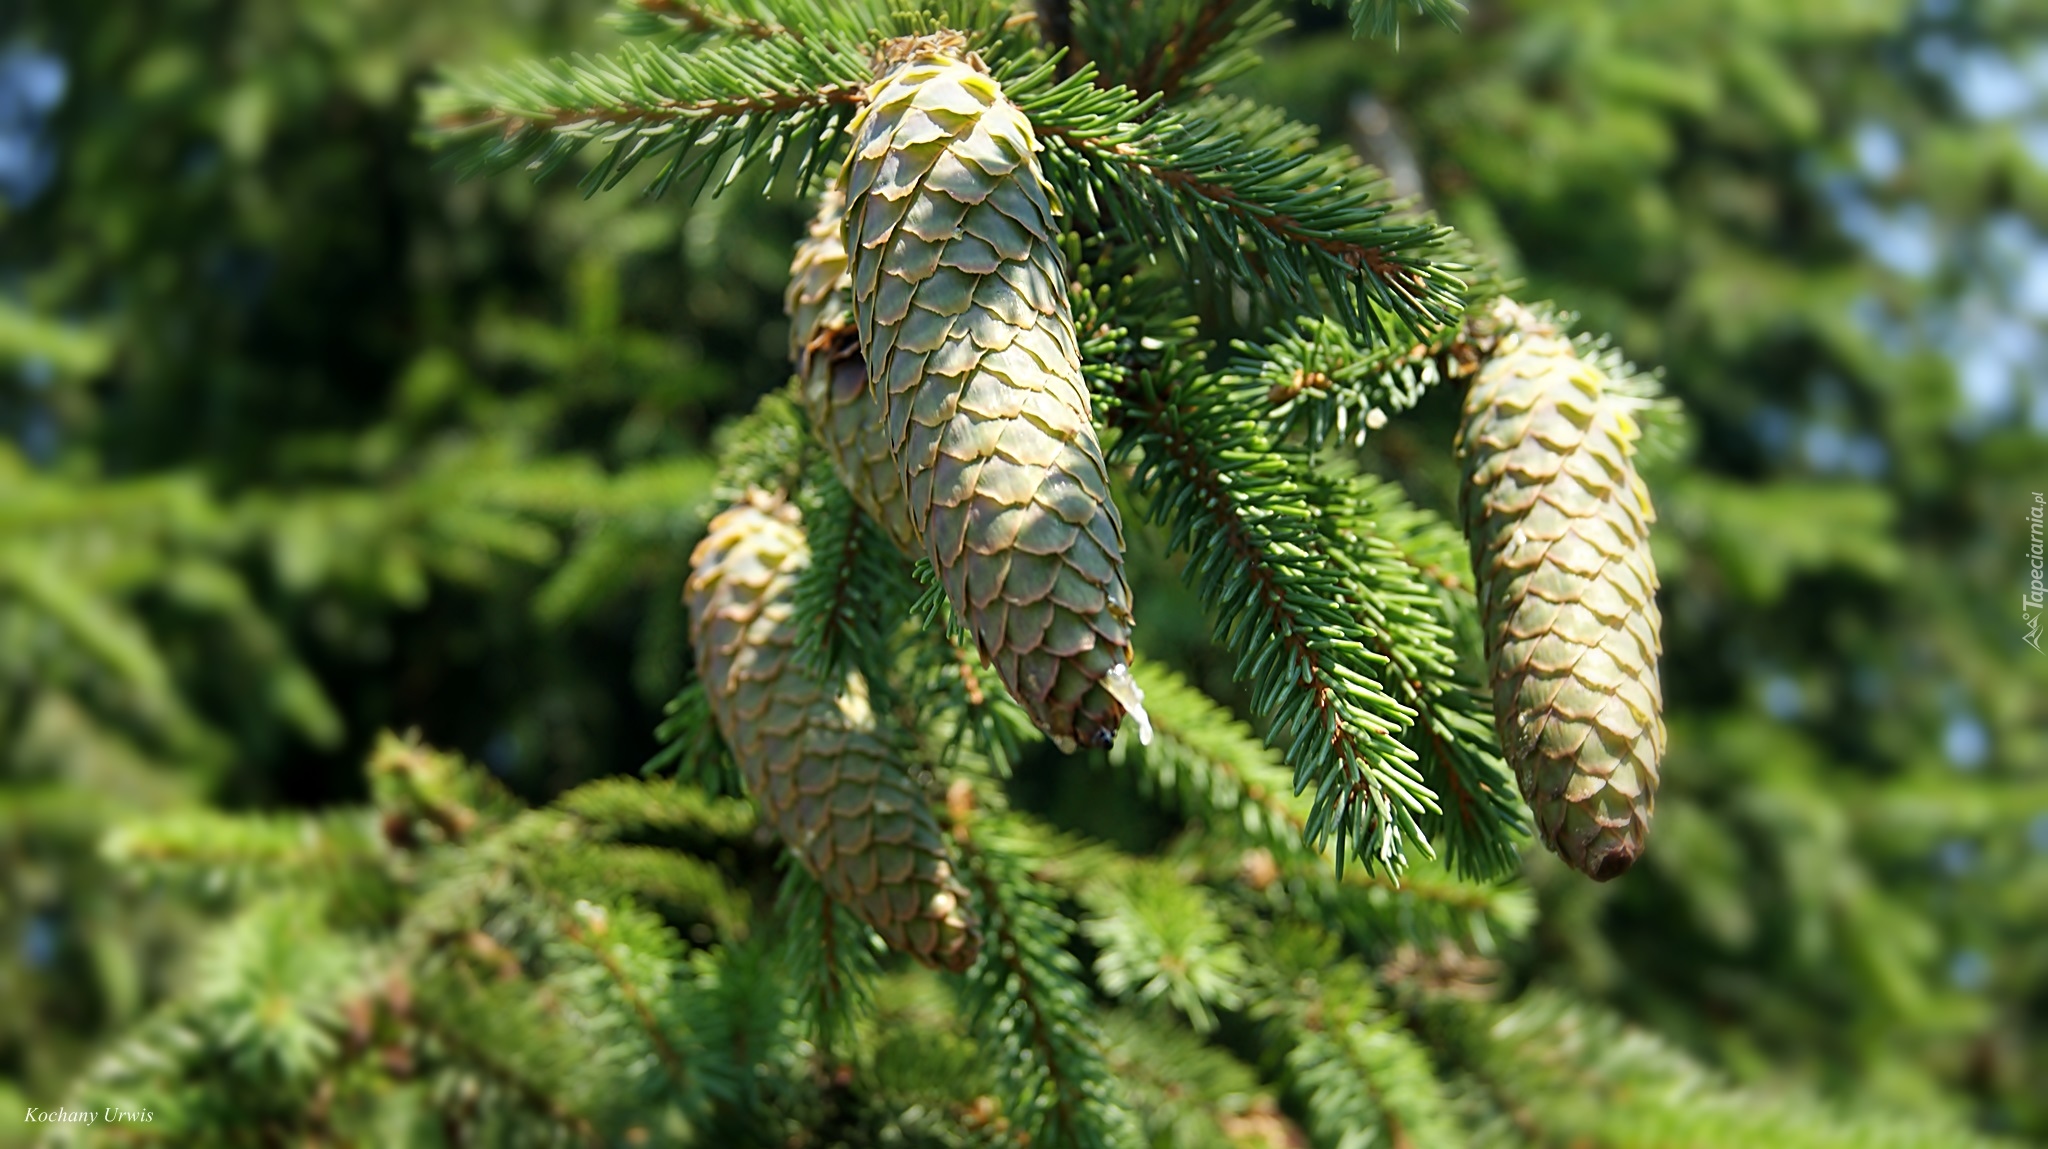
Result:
x=833 y=379
x=960 y=298
x=1559 y=529
x=816 y=757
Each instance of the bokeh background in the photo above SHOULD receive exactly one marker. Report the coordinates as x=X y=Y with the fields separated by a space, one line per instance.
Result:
x=302 y=439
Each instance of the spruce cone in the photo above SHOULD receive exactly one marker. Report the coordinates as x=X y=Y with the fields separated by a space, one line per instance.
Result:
x=960 y=298
x=833 y=379
x=1559 y=529
x=820 y=762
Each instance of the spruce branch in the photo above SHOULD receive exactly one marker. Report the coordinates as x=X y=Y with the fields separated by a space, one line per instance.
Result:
x=850 y=597
x=1426 y=908
x=616 y=806
x=1190 y=45
x=1161 y=939
x=462 y=1041
x=691 y=745
x=772 y=100
x=1363 y=540
x=1452 y=734
x=1565 y=1074
x=1382 y=549
x=425 y=794
x=1028 y=1006
x=1238 y=188
x=699 y=21
x=1173 y=47
x=1368 y=1082
x=767 y=449
x=964 y=718
x=234 y=854
x=1230 y=185
x=828 y=959
x=918 y=1058
x=669 y=878
x=587 y=927
x=1321 y=382
x=1189 y=1093
x=1427 y=542
x=1209 y=765
x=1240 y=510
x=1358 y=1075
x=739 y=1013
x=617 y=976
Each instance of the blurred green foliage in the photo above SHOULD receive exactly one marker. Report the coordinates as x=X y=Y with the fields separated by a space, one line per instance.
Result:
x=304 y=440
x=301 y=440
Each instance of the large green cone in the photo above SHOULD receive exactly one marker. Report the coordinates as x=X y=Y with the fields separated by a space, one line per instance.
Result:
x=960 y=299
x=822 y=764
x=1559 y=529
x=833 y=379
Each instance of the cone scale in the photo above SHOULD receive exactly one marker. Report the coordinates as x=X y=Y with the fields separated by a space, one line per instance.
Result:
x=959 y=298
x=1558 y=524
x=814 y=754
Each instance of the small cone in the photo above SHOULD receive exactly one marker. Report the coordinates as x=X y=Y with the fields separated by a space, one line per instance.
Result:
x=833 y=379
x=1558 y=524
x=818 y=759
x=960 y=299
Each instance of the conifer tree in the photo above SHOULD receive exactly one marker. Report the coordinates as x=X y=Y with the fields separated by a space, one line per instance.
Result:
x=1059 y=289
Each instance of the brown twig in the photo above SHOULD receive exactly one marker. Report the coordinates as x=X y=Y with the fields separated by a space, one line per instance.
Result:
x=1191 y=43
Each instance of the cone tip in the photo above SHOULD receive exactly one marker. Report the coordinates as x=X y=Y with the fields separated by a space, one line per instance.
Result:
x=1609 y=864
